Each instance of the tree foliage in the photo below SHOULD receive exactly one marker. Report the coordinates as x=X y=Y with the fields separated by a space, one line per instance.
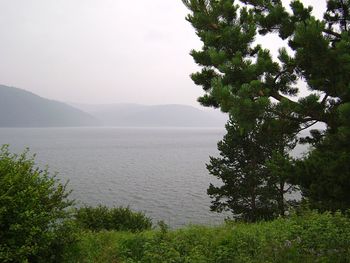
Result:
x=243 y=78
x=33 y=211
x=253 y=186
x=324 y=174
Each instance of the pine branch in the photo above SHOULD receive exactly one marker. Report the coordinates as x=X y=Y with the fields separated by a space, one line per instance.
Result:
x=279 y=75
x=345 y=15
x=306 y=127
x=324 y=99
x=312 y=117
x=279 y=97
x=331 y=32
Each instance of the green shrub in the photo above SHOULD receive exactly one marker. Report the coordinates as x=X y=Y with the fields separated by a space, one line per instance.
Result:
x=34 y=221
x=309 y=238
x=117 y=218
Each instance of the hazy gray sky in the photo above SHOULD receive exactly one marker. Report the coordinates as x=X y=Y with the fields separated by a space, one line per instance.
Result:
x=101 y=51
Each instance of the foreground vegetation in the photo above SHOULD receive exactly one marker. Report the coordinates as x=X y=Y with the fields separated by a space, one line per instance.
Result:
x=38 y=220
x=38 y=223
x=309 y=238
x=34 y=211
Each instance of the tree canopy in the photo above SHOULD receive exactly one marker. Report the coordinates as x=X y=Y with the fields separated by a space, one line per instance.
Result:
x=241 y=77
x=307 y=83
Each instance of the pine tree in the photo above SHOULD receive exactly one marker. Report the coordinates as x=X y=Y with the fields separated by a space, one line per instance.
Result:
x=253 y=187
x=242 y=78
x=325 y=173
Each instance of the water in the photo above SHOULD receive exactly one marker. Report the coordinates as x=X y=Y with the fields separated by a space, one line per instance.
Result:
x=160 y=171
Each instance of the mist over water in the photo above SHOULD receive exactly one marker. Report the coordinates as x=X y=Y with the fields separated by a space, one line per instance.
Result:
x=160 y=171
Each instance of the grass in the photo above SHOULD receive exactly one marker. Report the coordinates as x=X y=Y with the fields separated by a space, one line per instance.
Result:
x=309 y=238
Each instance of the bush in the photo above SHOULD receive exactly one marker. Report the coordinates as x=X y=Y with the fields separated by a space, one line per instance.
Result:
x=33 y=211
x=117 y=218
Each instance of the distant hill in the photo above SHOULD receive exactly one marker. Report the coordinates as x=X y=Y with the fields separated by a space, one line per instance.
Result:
x=20 y=108
x=136 y=115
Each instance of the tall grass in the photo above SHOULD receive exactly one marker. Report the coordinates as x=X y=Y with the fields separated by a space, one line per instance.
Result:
x=309 y=238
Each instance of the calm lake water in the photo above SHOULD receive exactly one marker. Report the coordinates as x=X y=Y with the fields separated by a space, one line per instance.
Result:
x=160 y=171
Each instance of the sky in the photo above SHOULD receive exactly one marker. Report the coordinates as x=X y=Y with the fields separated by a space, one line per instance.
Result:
x=103 y=51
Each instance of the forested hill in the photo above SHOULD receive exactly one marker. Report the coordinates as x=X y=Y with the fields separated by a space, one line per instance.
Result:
x=20 y=108
x=171 y=115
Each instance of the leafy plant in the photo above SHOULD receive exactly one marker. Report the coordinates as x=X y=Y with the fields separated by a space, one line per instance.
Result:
x=117 y=218
x=34 y=220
